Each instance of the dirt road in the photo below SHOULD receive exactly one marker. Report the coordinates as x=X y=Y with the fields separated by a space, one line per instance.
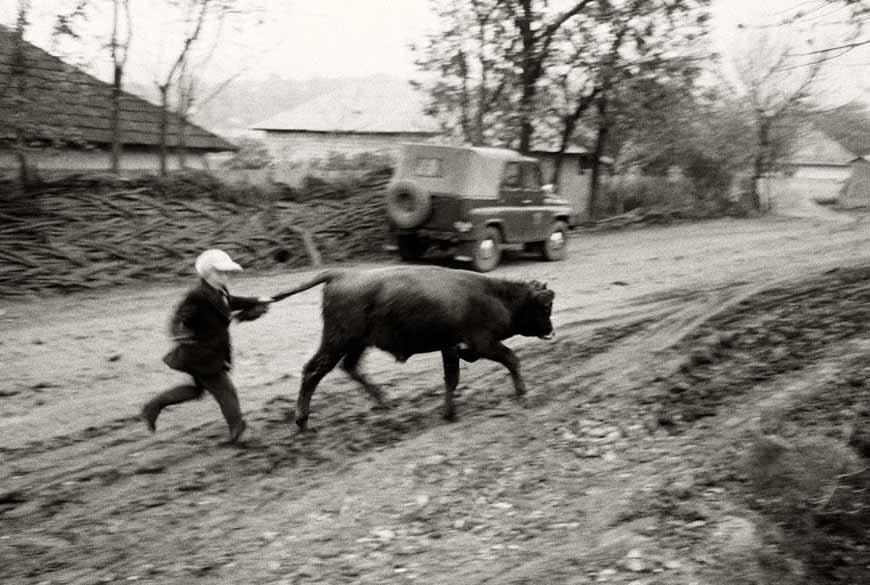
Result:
x=670 y=352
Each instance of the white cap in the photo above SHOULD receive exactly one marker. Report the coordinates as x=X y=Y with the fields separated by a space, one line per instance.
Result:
x=214 y=259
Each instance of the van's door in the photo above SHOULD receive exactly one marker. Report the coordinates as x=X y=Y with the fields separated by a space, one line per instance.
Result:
x=511 y=196
x=534 y=220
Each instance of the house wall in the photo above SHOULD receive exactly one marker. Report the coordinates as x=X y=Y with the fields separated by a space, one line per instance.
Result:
x=785 y=193
x=821 y=172
x=301 y=154
x=857 y=190
x=575 y=180
x=99 y=160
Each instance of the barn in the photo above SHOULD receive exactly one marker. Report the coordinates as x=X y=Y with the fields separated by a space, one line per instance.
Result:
x=347 y=131
x=62 y=113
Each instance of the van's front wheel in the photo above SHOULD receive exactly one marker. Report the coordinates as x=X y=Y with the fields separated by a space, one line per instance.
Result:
x=555 y=247
x=487 y=251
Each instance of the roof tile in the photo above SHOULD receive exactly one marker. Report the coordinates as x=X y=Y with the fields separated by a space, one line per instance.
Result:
x=65 y=103
x=387 y=107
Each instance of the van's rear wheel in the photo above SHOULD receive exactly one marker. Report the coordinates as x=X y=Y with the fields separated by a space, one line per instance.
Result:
x=411 y=247
x=487 y=251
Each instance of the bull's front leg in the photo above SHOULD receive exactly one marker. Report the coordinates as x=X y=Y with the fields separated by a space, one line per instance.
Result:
x=450 y=357
x=498 y=352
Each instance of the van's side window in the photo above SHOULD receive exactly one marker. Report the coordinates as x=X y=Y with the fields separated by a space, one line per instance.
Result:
x=512 y=178
x=532 y=177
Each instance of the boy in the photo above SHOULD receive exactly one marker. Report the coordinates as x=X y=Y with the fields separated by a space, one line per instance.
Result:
x=200 y=328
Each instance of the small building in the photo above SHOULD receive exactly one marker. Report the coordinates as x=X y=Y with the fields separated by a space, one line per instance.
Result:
x=814 y=172
x=856 y=192
x=575 y=175
x=817 y=156
x=64 y=114
x=347 y=131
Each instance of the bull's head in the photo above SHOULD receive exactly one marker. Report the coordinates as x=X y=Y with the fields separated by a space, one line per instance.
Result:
x=533 y=316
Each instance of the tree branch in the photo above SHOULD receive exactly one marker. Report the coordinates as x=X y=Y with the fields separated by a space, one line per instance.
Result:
x=188 y=42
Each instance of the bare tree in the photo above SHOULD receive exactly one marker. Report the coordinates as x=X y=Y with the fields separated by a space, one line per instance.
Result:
x=119 y=46
x=17 y=94
x=615 y=53
x=194 y=20
x=537 y=31
x=845 y=20
x=490 y=57
x=776 y=88
x=69 y=24
x=473 y=80
x=203 y=24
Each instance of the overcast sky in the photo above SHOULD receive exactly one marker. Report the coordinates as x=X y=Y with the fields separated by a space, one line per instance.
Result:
x=340 y=38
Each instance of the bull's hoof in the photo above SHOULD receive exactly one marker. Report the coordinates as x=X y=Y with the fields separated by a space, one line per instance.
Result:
x=522 y=400
x=449 y=415
x=384 y=404
x=148 y=415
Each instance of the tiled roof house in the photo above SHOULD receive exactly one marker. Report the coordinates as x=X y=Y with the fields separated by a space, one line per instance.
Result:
x=69 y=110
x=362 y=121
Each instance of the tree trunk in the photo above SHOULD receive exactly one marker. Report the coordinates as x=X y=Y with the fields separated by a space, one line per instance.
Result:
x=567 y=133
x=528 y=75
x=569 y=124
x=182 y=141
x=23 y=164
x=115 y=120
x=18 y=72
x=164 y=128
x=527 y=129
x=760 y=163
x=600 y=146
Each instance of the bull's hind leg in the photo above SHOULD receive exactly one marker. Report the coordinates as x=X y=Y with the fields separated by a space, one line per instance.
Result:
x=350 y=364
x=317 y=367
x=450 y=358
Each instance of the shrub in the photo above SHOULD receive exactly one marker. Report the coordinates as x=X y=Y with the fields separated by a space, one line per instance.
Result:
x=622 y=195
x=252 y=154
x=700 y=197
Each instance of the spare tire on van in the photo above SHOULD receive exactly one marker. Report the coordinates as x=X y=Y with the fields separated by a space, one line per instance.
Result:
x=408 y=205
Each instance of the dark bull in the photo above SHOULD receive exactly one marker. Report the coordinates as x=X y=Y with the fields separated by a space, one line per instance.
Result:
x=420 y=309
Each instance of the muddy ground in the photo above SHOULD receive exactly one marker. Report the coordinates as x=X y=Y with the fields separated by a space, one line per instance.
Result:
x=689 y=424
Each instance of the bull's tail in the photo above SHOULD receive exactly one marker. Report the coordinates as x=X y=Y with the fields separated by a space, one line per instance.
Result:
x=325 y=276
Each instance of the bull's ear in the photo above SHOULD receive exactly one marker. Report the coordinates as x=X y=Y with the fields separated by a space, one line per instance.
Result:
x=545 y=296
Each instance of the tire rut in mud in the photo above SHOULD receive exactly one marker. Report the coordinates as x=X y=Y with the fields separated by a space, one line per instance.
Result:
x=773 y=333
x=829 y=533
x=766 y=343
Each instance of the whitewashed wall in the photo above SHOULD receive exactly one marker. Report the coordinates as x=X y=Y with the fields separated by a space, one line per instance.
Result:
x=573 y=185
x=99 y=160
x=297 y=154
x=822 y=172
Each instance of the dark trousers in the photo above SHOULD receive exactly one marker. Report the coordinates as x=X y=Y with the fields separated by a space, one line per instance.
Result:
x=219 y=385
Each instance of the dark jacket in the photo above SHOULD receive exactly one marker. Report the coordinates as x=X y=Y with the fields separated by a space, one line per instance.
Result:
x=200 y=328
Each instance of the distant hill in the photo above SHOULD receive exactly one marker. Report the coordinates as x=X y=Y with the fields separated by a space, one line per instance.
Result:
x=245 y=102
